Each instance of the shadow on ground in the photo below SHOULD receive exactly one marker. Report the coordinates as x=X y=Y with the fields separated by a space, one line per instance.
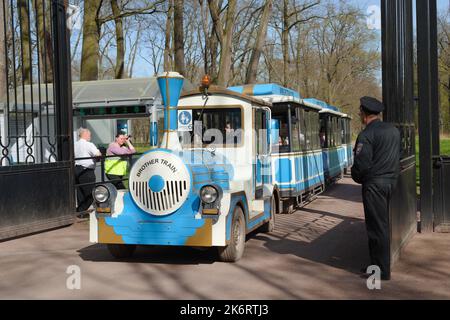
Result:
x=345 y=191
x=153 y=254
x=325 y=237
x=322 y=237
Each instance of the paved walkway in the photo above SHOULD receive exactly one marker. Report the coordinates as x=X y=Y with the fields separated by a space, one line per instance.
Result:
x=315 y=253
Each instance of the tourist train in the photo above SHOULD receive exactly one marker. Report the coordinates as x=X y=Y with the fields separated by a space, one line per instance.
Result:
x=230 y=160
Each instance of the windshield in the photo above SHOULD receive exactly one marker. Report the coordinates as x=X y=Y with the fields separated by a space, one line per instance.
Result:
x=221 y=127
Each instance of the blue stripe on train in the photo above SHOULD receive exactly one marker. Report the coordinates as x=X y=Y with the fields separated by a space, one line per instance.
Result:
x=307 y=171
x=137 y=227
x=333 y=161
x=349 y=150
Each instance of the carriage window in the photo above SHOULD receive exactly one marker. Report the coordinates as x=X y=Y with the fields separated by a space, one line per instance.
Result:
x=315 y=130
x=308 y=130
x=322 y=133
x=220 y=126
x=302 y=127
x=344 y=130
x=332 y=130
x=295 y=136
x=348 y=135
x=284 y=145
x=337 y=131
x=330 y=140
x=261 y=135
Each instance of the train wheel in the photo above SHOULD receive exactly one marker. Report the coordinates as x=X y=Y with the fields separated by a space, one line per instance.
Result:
x=287 y=207
x=234 y=251
x=121 y=251
x=269 y=226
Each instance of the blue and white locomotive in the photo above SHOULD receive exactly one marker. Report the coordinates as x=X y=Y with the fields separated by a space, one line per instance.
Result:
x=229 y=161
x=208 y=190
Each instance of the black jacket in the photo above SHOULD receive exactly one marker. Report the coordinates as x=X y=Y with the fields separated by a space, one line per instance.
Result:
x=377 y=154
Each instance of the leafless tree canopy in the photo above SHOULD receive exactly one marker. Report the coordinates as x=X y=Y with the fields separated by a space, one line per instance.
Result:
x=322 y=48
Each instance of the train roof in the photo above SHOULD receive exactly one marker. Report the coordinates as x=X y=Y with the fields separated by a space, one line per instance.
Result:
x=215 y=90
x=311 y=104
x=336 y=113
x=272 y=93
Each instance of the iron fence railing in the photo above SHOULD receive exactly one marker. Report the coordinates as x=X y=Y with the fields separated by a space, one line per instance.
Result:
x=100 y=168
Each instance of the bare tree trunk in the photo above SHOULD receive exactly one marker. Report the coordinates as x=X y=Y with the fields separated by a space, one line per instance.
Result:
x=168 y=36
x=42 y=8
x=178 y=38
x=285 y=42
x=25 y=41
x=91 y=38
x=224 y=36
x=298 y=62
x=252 y=69
x=119 y=71
x=213 y=56
x=225 y=56
x=133 y=53
x=204 y=20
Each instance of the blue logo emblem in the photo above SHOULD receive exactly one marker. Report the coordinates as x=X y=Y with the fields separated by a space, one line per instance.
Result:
x=184 y=118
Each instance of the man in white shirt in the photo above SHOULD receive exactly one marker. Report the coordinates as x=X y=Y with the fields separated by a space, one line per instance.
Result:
x=85 y=169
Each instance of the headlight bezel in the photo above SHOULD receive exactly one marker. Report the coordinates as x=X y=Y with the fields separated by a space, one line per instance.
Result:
x=108 y=194
x=214 y=192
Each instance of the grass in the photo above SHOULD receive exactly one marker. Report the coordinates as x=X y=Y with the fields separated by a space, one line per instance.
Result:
x=141 y=148
x=445 y=147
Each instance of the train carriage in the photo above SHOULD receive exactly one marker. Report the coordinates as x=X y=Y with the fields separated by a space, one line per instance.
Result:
x=333 y=150
x=297 y=162
x=347 y=142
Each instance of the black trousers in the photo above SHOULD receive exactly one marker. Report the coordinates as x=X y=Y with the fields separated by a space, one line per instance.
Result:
x=84 y=193
x=118 y=184
x=376 y=199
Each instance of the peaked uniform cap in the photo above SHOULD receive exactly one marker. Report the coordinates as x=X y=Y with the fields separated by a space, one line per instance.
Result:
x=372 y=105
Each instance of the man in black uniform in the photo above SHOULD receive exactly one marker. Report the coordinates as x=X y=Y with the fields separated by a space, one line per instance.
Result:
x=376 y=167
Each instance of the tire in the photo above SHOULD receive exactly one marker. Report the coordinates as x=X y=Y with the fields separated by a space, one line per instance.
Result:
x=121 y=251
x=287 y=207
x=269 y=226
x=234 y=251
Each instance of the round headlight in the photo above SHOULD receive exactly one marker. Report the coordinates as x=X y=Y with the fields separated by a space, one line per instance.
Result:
x=209 y=194
x=101 y=194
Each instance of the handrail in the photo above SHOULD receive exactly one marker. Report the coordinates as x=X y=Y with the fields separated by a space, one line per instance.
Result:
x=101 y=159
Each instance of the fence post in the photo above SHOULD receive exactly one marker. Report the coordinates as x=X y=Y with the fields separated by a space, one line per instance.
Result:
x=63 y=86
x=63 y=81
x=427 y=76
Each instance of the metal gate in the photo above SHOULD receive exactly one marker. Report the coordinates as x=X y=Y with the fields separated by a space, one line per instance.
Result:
x=441 y=194
x=397 y=38
x=36 y=121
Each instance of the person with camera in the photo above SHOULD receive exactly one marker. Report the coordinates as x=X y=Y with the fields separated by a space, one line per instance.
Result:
x=116 y=167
